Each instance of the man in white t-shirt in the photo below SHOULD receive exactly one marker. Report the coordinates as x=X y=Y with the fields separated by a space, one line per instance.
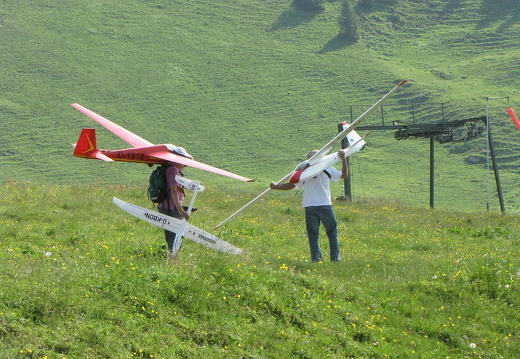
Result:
x=318 y=207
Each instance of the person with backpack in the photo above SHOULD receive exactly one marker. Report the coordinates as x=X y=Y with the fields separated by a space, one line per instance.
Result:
x=172 y=205
x=318 y=207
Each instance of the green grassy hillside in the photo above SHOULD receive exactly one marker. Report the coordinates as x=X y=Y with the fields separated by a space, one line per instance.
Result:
x=253 y=85
x=82 y=279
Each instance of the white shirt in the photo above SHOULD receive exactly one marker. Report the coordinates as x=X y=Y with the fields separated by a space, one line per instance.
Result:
x=316 y=191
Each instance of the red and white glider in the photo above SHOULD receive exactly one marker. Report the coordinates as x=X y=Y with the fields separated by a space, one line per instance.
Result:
x=142 y=151
x=320 y=161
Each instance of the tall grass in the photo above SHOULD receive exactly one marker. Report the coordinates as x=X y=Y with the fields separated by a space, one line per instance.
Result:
x=82 y=279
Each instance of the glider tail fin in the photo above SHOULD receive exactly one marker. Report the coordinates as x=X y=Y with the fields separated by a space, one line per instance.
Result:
x=353 y=137
x=86 y=143
x=87 y=146
x=355 y=141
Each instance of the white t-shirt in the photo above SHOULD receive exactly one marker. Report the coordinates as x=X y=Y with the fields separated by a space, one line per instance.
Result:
x=316 y=191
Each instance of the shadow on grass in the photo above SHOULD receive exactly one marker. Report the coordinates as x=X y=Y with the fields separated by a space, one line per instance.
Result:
x=506 y=11
x=293 y=18
x=335 y=44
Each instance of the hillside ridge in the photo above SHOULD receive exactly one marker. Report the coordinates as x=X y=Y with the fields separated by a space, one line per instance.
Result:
x=245 y=86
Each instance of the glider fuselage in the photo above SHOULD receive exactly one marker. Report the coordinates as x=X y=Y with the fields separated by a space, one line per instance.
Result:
x=310 y=169
x=136 y=155
x=317 y=164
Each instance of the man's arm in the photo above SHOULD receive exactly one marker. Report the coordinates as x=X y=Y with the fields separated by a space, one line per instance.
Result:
x=178 y=204
x=174 y=193
x=344 y=166
x=282 y=186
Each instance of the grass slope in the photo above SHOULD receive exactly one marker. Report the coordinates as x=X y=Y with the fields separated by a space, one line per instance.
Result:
x=81 y=279
x=251 y=86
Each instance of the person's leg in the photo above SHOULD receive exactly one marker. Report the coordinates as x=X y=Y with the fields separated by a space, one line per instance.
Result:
x=312 y=222
x=169 y=236
x=331 y=227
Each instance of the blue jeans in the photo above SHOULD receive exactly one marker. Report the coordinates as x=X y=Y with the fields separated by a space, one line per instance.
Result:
x=324 y=214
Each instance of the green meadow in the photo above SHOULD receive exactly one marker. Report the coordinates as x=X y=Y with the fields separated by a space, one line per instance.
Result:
x=251 y=86
x=82 y=279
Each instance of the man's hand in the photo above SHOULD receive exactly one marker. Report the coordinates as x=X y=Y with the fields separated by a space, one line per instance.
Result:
x=184 y=214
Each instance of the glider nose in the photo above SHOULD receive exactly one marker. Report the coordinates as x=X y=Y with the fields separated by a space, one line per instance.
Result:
x=296 y=175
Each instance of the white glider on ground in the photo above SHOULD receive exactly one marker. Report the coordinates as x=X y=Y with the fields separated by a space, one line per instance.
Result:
x=173 y=224
x=181 y=227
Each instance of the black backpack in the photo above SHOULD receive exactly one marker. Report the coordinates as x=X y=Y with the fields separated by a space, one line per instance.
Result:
x=158 y=190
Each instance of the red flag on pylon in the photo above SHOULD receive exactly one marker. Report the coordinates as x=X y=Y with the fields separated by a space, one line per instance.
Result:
x=513 y=117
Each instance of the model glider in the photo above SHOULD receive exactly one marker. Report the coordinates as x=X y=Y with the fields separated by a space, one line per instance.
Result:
x=320 y=161
x=142 y=151
x=175 y=225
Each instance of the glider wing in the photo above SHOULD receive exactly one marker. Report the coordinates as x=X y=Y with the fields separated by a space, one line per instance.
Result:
x=168 y=156
x=252 y=201
x=323 y=151
x=130 y=137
